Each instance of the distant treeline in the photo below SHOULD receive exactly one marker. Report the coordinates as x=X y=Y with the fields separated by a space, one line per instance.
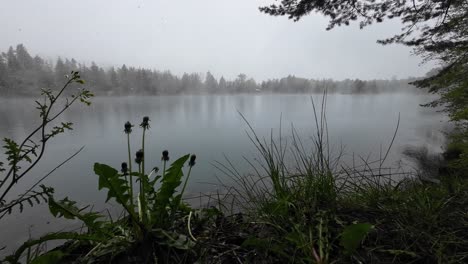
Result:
x=21 y=74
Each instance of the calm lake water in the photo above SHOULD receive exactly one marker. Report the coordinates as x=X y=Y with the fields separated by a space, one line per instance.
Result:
x=209 y=126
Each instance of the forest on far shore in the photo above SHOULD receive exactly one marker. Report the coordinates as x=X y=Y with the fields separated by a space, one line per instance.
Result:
x=24 y=75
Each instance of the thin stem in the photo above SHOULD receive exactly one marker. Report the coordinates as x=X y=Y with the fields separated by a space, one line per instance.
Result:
x=130 y=170
x=142 y=175
x=178 y=201
x=143 y=148
x=185 y=185
x=141 y=183
x=186 y=180
x=140 y=196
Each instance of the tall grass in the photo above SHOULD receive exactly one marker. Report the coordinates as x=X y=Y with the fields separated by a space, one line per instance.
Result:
x=304 y=199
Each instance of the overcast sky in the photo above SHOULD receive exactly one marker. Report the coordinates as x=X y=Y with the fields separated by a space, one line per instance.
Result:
x=225 y=37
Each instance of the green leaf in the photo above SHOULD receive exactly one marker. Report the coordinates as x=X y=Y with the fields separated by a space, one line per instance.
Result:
x=49 y=237
x=169 y=183
x=117 y=187
x=50 y=257
x=68 y=209
x=12 y=151
x=353 y=235
x=109 y=179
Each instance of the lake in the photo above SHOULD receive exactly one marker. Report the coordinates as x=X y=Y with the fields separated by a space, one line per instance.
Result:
x=208 y=126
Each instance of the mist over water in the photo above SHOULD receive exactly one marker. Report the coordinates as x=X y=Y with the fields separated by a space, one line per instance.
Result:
x=210 y=127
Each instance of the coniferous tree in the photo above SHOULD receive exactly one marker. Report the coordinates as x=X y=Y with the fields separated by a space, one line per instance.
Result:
x=3 y=75
x=20 y=74
x=211 y=84
x=240 y=83
x=114 y=80
x=12 y=62
x=358 y=86
x=60 y=71
x=44 y=73
x=222 y=85
x=184 y=83
x=24 y=59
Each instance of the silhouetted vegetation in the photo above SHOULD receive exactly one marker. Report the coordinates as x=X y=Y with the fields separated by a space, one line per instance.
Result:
x=22 y=156
x=23 y=75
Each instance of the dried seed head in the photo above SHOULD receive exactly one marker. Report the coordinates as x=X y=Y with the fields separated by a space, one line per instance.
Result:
x=128 y=128
x=124 y=168
x=139 y=156
x=165 y=155
x=192 y=160
x=145 y=123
